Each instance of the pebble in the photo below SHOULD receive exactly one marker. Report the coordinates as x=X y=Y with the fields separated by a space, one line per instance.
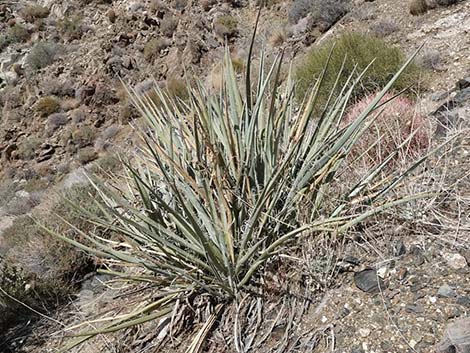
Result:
x=455 y=261
x=368 y=281
x=446 y=291
x=415 y=308
x=364 y=332
x=464 y=301
x=452 y=312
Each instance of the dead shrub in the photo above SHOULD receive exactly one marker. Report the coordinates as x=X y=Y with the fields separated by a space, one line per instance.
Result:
x=47 y=106
x=418 y=7
x=31 y=13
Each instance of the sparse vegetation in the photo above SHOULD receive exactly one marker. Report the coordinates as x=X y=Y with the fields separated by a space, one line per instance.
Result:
x=18 y=34
x=384 y=28
x=359 y=50
x=47 y=106
x=42 y=55
x=153 y=48
x=38 y=269
x=31 y=13
x=226 y=26
x=323 y=13
x=71 y=27
x=83 y=136
x=28 y=148
x=168 y=26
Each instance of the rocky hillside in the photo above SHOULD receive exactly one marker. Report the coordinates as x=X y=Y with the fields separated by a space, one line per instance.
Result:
x=64 y=109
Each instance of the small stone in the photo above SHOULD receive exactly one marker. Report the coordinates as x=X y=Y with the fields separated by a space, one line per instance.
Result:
x=399 y=248
x=432 y=300
x=462 y=96
x=414 y=341
x=415 y=308
x=452 y=312
x=364 y=332
x=368 y=281
x=438 y=96
x=463 y=83
x=382 y=272
x=357 y=350
x=464 y=301
x=446 y=291
x=455 y=261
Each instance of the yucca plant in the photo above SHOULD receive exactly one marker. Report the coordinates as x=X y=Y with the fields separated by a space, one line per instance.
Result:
x=214 y=192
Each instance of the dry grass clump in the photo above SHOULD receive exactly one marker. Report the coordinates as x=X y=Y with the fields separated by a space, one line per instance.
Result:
x=226 y=26
x=397 y=122
x=418 y=7
x=153 y=48
x=47 y=106
x=357 y=51
x=168 y=26
x=384 y=28
x=33 y=12
x=323 y=13
x=83 y=136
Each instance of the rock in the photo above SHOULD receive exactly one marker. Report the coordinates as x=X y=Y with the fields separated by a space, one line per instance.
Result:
x=452 y=312
x=463 y=83
x=46 y=153
x=462 y=96
x=415 y=308
x=438 y=96
x=111 y=14
x=399 y=249
x=364 y=332
x=446 y=291
x=368 y=281
x=455 y=261
x=456 y=337
x=357 y=350
x=464 y=301
x=76 y=177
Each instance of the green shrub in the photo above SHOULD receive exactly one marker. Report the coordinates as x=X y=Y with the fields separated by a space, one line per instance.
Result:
x=71 y=27
x=42 y=55
x=358 y=49
x=31 y=13
x=18 y=34
x=28 y=148
x=47 y=106
x=216 y=192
